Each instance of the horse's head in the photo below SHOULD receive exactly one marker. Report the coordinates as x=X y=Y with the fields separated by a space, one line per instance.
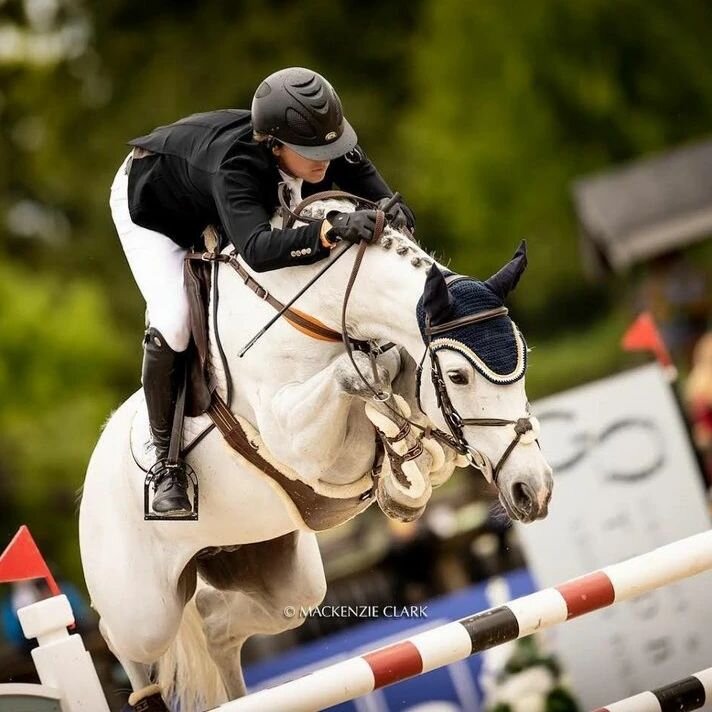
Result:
x=476 y=389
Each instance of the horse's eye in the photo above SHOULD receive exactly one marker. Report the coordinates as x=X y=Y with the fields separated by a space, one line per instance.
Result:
x=459 y=378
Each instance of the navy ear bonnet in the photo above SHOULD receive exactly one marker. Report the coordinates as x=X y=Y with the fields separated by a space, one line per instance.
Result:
x=494 y=347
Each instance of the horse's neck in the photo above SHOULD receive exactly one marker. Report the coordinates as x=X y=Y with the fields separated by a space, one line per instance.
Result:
x=383 y=301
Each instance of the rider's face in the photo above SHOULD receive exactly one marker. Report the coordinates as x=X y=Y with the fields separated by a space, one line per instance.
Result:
x=300 y=167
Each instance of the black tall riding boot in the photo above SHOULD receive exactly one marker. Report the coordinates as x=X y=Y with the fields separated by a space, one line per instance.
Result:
x=162 y=371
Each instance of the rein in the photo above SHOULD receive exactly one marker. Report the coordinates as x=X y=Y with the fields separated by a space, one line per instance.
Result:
x=300 y=320
x=456 y=438
x=313 y=327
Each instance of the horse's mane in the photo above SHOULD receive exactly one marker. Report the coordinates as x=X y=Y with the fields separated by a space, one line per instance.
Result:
x=407 y=247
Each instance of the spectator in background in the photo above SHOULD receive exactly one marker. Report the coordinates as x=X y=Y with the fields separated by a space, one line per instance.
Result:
x=675 y=292
x=698 y=397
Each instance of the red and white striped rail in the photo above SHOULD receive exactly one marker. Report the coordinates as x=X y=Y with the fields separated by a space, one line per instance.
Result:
x=686 y=695
x=454 y=641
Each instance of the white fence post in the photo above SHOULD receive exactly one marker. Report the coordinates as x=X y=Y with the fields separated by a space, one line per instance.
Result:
x=61 y=659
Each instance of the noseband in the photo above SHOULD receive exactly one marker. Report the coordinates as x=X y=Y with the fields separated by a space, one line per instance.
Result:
x=525 y=428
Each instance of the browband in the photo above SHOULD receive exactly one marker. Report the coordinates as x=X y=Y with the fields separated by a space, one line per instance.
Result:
x=465 y=320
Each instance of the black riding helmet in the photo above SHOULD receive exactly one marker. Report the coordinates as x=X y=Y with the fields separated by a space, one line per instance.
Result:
x=299 y=108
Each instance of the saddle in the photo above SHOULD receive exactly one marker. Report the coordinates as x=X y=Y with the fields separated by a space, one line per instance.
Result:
x=320 y=509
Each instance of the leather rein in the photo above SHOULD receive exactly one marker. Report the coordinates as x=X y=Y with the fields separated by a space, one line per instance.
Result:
x=316 y=329
x=456 y=439
x=300 y=320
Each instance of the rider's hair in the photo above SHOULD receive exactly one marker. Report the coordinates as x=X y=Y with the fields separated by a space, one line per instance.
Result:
x=269 y=140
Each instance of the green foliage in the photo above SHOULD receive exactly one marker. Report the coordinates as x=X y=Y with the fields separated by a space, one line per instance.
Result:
x=481 y=113
x=512 y=690
x=514 y=100
x=61 y=361
x=560 y=699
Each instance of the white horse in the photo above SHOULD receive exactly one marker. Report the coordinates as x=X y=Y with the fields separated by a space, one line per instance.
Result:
x=251 y=553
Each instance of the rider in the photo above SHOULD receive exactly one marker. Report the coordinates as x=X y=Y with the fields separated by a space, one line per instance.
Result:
x=223 y=168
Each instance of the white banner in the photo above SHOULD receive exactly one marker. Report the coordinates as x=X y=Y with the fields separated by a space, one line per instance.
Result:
x=626 y=481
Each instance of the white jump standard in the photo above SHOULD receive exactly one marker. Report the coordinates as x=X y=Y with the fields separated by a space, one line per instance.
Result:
x=455 y=641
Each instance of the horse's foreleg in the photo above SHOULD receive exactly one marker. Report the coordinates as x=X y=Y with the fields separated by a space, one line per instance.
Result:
x=138 y=674
x=317 y=426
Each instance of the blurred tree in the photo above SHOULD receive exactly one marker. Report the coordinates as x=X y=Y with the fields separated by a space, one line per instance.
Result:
x=60 y=371
x=480 y=113
x=72 y=323
x=513 y=100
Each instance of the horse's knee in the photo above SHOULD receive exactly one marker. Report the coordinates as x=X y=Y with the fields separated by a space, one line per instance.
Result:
x=143 y=629
x=307 y=588
x=314 y=590
x=360 y=383
x=210 y=601
x=391 y=362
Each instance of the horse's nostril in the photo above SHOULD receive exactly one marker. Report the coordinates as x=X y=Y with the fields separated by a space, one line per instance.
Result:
x=522 y=496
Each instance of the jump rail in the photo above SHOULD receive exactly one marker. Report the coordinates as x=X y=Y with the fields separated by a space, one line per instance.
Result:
x=455 y=641
x=686 y=695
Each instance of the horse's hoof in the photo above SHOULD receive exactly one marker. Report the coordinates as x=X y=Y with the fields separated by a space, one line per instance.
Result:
x=395 y=509
x=146 y=700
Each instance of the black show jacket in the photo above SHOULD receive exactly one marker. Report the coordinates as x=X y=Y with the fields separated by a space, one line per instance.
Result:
x=208 y=169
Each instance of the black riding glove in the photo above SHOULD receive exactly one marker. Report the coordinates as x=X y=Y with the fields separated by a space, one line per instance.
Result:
x=395 y=214
x=352 y=227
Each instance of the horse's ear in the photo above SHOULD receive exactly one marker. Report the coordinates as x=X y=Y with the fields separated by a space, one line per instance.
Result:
x=504 y=281
x=436 y=297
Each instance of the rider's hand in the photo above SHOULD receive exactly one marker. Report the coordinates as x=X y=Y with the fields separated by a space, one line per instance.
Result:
x=394 y=214
x=353 y=227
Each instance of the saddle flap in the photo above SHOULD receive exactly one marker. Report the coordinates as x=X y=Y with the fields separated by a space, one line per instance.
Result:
x=197 y=282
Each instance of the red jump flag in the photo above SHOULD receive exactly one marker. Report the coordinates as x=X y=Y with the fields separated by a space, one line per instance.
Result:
x=22 y=561
x=643 y=335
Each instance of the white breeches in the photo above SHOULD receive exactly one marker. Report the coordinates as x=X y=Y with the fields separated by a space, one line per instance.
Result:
x=157 y=266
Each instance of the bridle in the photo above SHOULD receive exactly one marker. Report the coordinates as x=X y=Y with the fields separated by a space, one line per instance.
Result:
x=526 y=428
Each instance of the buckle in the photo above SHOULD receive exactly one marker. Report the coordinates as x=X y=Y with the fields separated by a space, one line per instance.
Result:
x=375 y=348
x=480 y=462
x=455 y=418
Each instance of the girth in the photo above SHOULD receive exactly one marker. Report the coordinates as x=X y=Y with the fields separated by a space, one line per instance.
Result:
x=318 y=511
